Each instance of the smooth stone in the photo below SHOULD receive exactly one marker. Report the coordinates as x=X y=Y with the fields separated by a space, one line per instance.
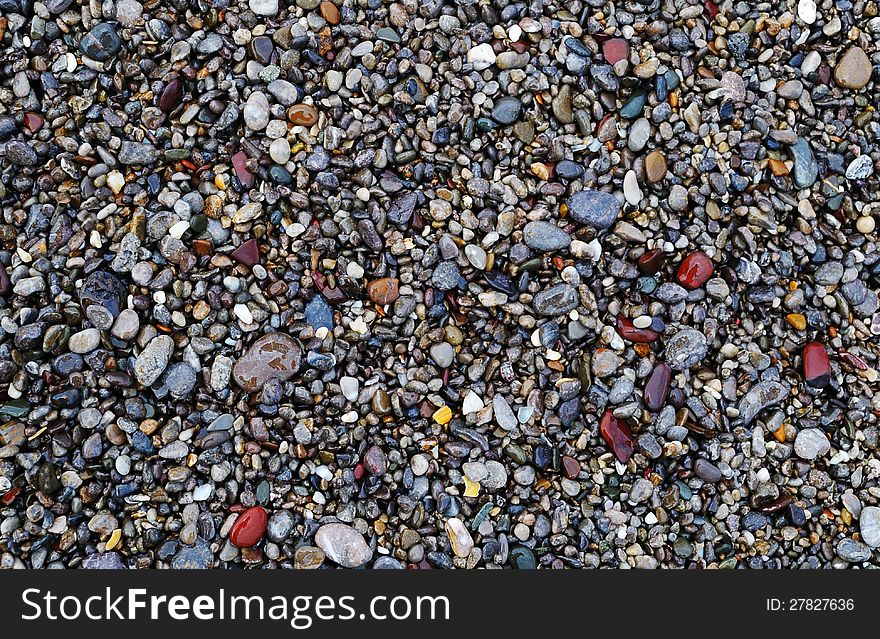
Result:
x=84 y=341
x=685 y=349
x=264 y=7
x=695 y=270
x=869 y=526
x=545 y=236
x=152 y=361
x=806 y=169
x=443 y=354
x=507 y=110
x=811 y=443
x=860 y=168
x=556 y=300
x=853 y=551
x=459 y=537
x=273 y=355
x=593 y=208
x=343 y=545
x=853 y=70
x=249 y=528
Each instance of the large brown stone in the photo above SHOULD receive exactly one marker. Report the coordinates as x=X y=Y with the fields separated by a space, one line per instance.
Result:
x=655 y=166
x=853 y=70
x=273 y=355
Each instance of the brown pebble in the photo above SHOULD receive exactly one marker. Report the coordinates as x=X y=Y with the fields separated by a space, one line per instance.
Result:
x=329 y=12
x=655 y=166
x=570 y=467
x=383 y=291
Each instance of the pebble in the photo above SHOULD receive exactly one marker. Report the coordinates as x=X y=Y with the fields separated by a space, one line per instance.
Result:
x=685 y=349
x=343 y=545
x=433 y=285
x=545 y=236
x=869 y=526
x=593 y=208
x=853 y=70
x=274 y=355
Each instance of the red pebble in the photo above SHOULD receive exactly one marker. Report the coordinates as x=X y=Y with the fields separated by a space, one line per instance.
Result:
x=617 y=434
x=244 y=176
x=9 y=497
x=171 y=95
x=651 y=262
x=615 y=49
x=817 y=368
x=248 y=529
x=248 y=253
x=33 y=122
x=695 y=270
x=629 y=332
x=657 y=386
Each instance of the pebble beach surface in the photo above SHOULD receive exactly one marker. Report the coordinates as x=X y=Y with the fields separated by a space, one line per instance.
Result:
x=439 y=284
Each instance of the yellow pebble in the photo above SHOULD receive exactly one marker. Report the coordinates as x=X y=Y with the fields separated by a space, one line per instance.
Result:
x=797 y=320
x=540 y=170
x=443 y=415
x=471 y=488
x=115 y=538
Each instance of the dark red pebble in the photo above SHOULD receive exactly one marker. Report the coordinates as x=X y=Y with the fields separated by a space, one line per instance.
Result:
x=618 y=435
x=171 y=95
x=695 y=270
x=33 y=122
x=244 y=176
x=817 y=368
x=248 y=529
x=570 y=467
x=657 y=386
x=629 y=332
x=651 y=262
x=248 y=253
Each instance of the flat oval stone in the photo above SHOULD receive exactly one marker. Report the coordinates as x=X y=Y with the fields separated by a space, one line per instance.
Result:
x=545 y=236
x=273 y=355
x=343 y=545
x=657 y=386
x=171 y=95
x=248 y=529
x=593 y=208
x=302 y=114
x=507 y=110
x=695 y=270
x=655 y=166
x=817 y=368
